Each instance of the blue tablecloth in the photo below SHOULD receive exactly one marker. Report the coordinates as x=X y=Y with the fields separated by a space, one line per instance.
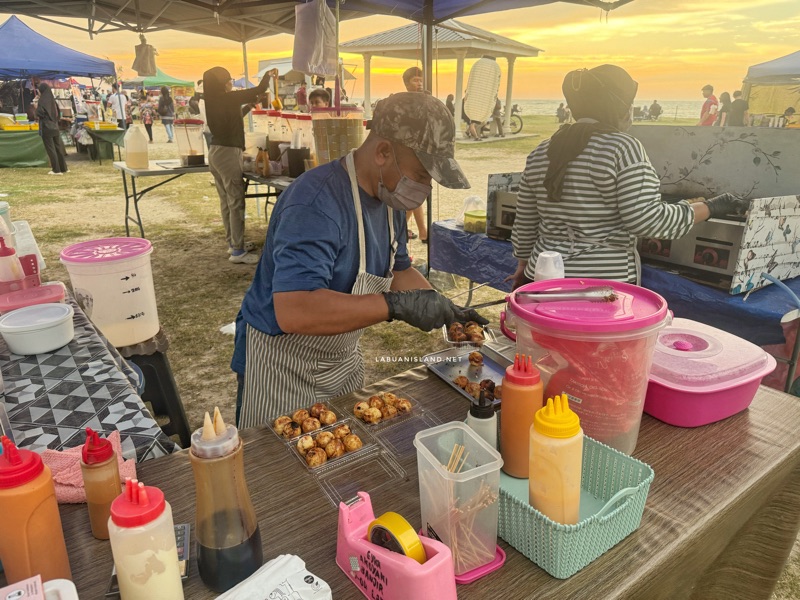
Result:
x=483 y=260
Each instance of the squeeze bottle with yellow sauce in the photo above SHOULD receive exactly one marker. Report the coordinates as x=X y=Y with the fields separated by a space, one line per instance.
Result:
x=522 y=397
x=556 y=457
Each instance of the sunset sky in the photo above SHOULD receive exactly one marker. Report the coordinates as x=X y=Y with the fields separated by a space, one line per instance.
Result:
x=672 y=47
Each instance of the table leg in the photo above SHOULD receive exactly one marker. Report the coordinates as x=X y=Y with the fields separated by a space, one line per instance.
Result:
x=792 y=364
x=127 y=203
x=136 y=205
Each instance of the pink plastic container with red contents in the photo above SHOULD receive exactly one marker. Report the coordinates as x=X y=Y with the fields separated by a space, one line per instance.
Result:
x=599 y=353
x=702 y=375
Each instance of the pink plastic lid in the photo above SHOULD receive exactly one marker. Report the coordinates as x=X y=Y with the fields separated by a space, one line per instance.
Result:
x=634 y=308
x=694 y=357
x=105 y=250
x=43 y=294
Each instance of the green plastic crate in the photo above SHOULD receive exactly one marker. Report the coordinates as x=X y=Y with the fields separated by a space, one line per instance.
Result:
x=614 y=489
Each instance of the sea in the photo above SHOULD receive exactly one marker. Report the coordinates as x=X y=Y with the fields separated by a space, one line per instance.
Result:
x=675 y=109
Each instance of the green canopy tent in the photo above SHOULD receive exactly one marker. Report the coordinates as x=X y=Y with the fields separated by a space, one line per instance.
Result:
x=158 y=80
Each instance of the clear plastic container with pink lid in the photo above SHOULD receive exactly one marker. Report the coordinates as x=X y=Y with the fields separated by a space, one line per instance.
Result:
x=701 y=374
x=599 y=353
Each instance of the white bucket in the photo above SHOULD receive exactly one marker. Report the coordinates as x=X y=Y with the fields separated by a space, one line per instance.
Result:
x=113 y=282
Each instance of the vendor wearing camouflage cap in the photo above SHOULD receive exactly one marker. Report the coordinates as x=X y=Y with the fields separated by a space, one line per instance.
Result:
x=335 y=262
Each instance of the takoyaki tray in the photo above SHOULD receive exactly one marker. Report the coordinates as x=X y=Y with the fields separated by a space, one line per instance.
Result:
x=452 y=363
x=298 y=429
x=332 y=458
x=404 y=407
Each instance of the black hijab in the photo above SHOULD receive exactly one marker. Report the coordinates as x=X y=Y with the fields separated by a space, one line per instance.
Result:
x=214 y=82
x=604 y=94
x=47 y=109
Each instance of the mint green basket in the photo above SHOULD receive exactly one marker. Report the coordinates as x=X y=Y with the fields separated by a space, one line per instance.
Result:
x=614 y=489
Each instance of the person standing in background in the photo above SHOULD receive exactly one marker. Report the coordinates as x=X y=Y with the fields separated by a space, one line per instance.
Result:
x=48 y=115
x=301 y=97
x=225 y=109
x=319 y=98
x=166 y=108
x=118 y=102
x=414 y=82
x=708 y=114
x=146 y=114
x=450 y=103
x=739 y=115
x=497 y=118
x=724 y=110
x=655 y=110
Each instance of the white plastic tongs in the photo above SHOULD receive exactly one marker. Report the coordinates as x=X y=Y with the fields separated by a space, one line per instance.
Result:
x=602 y=293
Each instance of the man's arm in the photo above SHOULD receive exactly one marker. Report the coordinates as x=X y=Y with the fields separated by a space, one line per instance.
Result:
x=325 y=312
x=409 y=279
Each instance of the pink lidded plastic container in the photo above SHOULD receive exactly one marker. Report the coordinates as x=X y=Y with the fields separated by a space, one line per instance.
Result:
x=599 y=353
x=701 y=375
x=43 y=294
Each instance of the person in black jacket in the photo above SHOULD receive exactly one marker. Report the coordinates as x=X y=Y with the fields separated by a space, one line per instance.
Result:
x=225 y=110
x=48 y=115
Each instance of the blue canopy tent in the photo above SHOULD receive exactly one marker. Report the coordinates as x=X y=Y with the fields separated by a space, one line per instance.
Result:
x=241 y=83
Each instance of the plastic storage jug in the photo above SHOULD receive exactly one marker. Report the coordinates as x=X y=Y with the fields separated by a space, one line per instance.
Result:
x=143 y=544
x=8 y=230
x=522 y=397
x=136 y=148
x=100 y=480
x=336 y=132
x=482 y=87
x=598 y=353
x=113 y=282
x=32 y=541
x=556 y=457
x=228 y=538
x=191 y=147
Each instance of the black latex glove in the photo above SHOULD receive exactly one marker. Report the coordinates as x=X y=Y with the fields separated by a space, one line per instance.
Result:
x=726 y=204
x=427 y=309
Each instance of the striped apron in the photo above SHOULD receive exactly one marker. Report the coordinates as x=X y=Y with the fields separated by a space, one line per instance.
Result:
x=287 y=372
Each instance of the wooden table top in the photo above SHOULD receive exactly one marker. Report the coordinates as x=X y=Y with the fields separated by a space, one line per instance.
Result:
x=709 y=483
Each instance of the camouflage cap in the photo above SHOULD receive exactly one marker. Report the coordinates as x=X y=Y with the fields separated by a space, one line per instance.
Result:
x=423 y=124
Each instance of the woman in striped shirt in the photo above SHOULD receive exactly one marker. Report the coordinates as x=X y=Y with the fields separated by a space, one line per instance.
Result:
x=590 y=190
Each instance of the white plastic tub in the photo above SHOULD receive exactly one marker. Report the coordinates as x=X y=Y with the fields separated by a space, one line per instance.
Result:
x=38 y=329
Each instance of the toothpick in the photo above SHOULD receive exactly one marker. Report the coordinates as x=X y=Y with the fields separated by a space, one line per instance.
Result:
x=450 y=462
x=463 y=462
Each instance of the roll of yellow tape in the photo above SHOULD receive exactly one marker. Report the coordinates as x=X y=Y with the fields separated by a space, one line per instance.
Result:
x=393 y=532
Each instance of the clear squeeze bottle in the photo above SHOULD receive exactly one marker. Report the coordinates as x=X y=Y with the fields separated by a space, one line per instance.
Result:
x=100 y=480
x=556 y=457
x=482 y=420
x=143 y=544
x=31 y=538
x=228 y=538
x=522 y=397
x=10 y=267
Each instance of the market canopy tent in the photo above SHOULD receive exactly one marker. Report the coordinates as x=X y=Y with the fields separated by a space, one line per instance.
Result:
x=25 y=53
x=773 y=86
x=453 y=40
x=158 y=80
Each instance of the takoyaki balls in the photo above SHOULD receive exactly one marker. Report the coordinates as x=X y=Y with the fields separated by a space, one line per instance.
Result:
x=341 y=431
x=388 y=412
x=315 y=410
x=461 y=381
x=334 y=449
x=487 y=384
x=352 y=442
x=316 y=457
x=304 y=444
x=327 y=417
x=475 y=359
x=279 y=423
x=291 y=429
x=403 y=406
x=473 y=389
x=389 y=399
x=359 y=408
x=324 y=438
x=498 y=392
x=375 y=402
x=300 y=415
x=372 y=415
x=310 y=424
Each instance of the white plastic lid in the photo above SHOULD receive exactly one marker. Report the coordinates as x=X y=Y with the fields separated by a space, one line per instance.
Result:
x=35 y=318
x=695 y=357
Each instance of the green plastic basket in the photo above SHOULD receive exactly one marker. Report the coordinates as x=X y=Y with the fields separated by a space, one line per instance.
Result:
x=614 y=489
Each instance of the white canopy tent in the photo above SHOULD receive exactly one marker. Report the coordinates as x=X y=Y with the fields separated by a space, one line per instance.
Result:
x=452 y=40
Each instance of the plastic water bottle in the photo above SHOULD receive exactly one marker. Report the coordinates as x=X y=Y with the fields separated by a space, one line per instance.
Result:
x=549 y=265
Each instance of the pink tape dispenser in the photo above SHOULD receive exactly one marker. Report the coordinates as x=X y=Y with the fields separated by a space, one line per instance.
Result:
x=384 y=574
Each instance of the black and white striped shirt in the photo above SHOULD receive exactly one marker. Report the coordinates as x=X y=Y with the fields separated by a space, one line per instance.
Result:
x=610 y=197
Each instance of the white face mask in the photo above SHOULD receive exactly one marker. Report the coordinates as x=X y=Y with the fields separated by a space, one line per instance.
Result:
x=407 y=195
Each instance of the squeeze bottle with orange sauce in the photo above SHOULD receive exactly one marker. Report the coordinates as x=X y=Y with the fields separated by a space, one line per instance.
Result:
x=556 y=457
x=522 y=397
x=31 y=538
x=100 y=480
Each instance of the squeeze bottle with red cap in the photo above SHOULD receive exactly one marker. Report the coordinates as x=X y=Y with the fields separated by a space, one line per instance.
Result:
x=522 y=397
x=143 y=544
x=10 y=267
x=31 y=538
x=100 y=480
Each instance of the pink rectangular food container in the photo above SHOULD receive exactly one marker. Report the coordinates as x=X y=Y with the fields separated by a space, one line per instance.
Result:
x=701 y=375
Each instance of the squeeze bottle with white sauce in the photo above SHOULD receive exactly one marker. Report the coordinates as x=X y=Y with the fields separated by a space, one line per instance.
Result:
x=482 y=420
x=143 y=544
x=522 y=397
x=100 y=480
x=556 y=458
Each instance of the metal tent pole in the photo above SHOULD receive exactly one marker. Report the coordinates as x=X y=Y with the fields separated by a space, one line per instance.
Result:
x=246 y=81
x=427 y=57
